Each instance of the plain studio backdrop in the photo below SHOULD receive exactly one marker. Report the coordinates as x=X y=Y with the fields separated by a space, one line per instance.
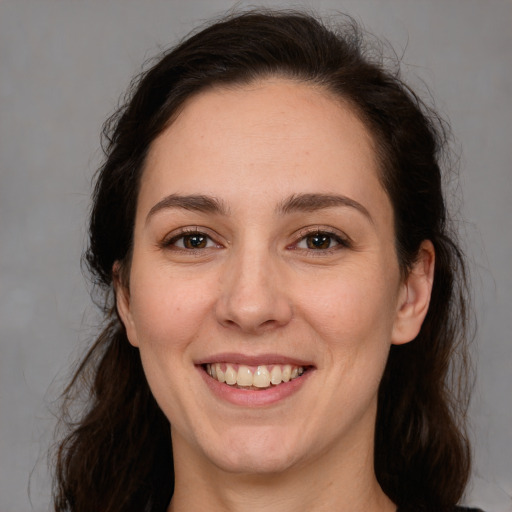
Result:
x=63 y=66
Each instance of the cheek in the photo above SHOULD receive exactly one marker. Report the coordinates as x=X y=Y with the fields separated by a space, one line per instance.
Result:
x=168 y=315
x=357 y=298
x=352 y=314
x=167 y=310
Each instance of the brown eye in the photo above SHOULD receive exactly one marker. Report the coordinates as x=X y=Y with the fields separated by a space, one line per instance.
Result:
x=191 y=241
x=195 y=241
x=319 y=241
x=322 y=241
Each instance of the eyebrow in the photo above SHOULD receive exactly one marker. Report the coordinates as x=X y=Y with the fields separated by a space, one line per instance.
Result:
x=313 y=202
x=196 y=203
x=295 y=203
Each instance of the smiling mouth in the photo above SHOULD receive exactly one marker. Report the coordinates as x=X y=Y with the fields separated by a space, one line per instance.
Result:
x=259 y=377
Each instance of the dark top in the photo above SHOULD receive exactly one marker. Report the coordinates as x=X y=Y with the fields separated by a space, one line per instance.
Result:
x=456 y=509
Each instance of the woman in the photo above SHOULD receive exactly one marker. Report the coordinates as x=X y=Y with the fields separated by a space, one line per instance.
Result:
x=286 y=303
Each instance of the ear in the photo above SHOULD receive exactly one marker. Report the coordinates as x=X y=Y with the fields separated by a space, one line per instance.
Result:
x=122 y=294
x=414 y=296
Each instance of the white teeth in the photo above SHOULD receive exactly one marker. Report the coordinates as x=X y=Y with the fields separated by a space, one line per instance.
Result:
x=244 y=376
x=262 y=377
x=221 y=377
x=276 y=375
x=230 y=375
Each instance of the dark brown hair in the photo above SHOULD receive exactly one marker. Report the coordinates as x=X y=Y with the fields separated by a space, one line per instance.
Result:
x=117 y=455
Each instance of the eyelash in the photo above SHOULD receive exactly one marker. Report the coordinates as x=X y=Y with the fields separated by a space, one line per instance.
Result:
x=342 y=242
x=170 y=243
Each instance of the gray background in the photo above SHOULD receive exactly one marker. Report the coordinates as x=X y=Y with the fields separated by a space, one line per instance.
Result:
x=63 y=65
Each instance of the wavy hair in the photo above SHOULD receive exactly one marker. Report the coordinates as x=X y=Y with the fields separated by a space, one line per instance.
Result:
x=116 y=455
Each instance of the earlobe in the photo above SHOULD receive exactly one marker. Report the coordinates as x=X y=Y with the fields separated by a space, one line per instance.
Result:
x=122 y=296
x=414 y=298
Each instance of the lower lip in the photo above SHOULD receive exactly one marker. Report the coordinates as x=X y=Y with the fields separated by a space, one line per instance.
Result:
x=251 y=397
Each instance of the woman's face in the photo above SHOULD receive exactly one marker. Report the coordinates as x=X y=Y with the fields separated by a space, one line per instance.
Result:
x=264 y=249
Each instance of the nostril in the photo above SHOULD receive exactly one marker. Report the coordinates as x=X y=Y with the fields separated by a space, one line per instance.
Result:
x=269 y=324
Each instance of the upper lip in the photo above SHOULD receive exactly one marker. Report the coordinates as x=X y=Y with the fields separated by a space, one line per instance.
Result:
x=253 y=360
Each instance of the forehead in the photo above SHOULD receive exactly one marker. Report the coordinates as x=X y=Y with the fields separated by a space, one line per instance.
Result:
x=275 y=135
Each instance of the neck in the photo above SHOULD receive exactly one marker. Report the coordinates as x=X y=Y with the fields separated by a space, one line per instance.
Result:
x=321 y=485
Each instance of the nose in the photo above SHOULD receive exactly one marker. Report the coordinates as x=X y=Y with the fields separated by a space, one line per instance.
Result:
x=253 y=296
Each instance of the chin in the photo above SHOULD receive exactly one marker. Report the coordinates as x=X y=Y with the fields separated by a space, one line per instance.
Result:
x=254 y=464
x=255 y=454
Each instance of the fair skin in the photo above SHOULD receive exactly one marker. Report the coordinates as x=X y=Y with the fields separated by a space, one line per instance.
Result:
x=263 y=239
